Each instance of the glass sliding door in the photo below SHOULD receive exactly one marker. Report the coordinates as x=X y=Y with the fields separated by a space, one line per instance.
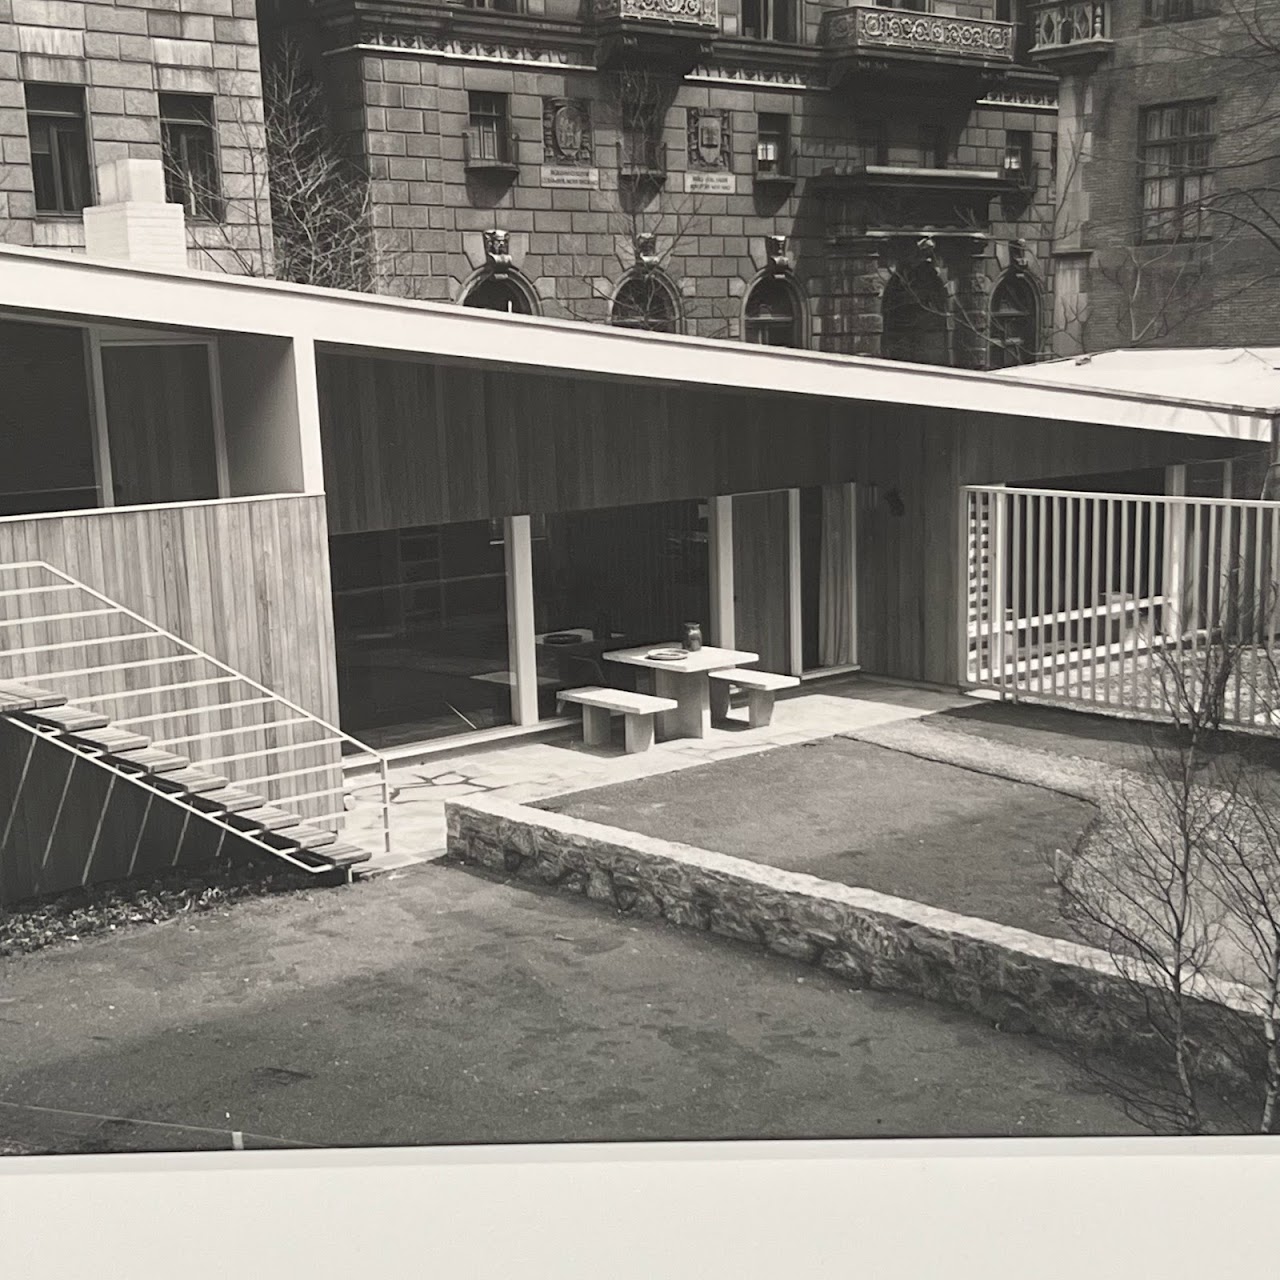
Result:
x=421 y=621
x=612 y=579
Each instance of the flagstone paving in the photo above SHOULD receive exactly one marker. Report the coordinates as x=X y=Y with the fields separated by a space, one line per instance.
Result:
x=526 y=771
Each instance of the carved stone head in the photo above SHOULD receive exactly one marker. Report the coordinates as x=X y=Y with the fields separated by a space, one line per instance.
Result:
x=497 y=248
x=779 y=258
x=647 y=249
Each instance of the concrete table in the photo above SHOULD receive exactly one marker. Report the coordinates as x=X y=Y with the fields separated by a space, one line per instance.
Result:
x=686 y=681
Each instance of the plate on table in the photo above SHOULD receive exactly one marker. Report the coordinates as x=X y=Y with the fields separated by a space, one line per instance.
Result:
x=667 y=655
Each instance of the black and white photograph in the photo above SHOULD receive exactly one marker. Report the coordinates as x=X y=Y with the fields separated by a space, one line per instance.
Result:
x=637 y=571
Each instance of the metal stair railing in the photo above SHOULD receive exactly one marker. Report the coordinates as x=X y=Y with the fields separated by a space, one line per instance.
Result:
x=177 y=679
x=153 y=784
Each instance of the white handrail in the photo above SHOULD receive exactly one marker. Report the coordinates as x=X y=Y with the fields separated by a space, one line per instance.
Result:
x=190 y=652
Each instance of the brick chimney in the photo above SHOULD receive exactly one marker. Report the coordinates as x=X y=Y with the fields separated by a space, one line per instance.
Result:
x=133 y=222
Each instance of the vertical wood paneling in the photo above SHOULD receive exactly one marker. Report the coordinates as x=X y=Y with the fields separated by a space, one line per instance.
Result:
x=421 y=443
x=247 y=582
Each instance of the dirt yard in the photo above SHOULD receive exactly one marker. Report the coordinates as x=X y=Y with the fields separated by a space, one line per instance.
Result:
x=863 y=815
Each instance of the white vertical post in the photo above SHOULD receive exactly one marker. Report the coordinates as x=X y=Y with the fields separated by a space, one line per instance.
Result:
x=217 y=416
x=308 y=402
x=997 y=540
x=720 y=548
x=851 y=532
x=795 y=615
x=1175 y=551
x=98 y=417
x=523 y=658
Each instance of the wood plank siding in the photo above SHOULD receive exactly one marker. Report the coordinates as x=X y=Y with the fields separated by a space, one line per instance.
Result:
x=246 y=581
x=420 y=442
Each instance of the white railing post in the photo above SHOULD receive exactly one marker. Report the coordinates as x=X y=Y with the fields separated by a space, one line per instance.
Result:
x=997 y=546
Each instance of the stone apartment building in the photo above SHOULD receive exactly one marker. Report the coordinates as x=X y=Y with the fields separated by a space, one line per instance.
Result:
x=868 y=179
x=88 y=83
x=1169 y=222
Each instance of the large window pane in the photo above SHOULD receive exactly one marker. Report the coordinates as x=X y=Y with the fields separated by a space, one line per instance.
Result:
x=613 y=579
x=421 y=620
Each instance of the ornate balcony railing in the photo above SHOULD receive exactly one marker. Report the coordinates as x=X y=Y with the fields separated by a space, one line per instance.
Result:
x=1068 y=26
x=865 y=29
x=697 y=13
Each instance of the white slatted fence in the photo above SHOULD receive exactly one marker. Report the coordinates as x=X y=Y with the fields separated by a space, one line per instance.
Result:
x=1124 y=602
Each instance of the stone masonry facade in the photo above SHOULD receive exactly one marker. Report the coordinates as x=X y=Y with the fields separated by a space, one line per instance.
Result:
x=405 y=83
x=123 y=54
x=1120 y=287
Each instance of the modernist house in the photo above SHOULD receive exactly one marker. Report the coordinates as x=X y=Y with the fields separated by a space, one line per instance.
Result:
x=374 y=509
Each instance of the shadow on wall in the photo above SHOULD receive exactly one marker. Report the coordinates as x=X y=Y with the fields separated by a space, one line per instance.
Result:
x=65 y=823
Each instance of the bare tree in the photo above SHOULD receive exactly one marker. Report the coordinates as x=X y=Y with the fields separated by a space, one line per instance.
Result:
x=651 y=227
x=1180 y=885
x=321 y=226
x=1222 y=244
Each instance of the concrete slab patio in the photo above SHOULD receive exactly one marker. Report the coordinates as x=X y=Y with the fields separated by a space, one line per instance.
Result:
x=436 y=1006
x=526 y=771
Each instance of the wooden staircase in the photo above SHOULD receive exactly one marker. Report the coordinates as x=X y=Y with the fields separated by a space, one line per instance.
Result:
x=97 y=680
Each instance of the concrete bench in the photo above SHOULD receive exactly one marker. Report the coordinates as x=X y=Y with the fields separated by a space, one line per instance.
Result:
x=760 y=687
x=599 y=704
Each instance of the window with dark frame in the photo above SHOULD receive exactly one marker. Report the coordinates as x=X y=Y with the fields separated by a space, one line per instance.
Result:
x=1017 y=155
x=873 y=138
x=644 y=301
x=59 y=137
x=189 y=148
x=934 y=146
x=773 y=145
x=770 y=20
x=487 y=114
x=772 y=318
x=1176 y=156
x=1177 y=10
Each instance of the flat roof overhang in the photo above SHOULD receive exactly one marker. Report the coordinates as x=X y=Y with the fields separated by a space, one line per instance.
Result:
x=39 y=284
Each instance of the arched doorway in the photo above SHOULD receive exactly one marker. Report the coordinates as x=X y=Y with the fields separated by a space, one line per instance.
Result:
x=1015 y=322
x=646 y=300
x=914 y=309
x=774 y=314
x=499 y=293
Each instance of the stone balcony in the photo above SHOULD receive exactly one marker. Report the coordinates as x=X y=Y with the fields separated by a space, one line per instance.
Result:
x=663 y=35
x=1070 y=34
x=865 y=38
x=698 y=13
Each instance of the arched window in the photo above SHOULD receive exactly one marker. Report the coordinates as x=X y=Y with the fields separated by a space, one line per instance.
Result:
x=773 y=316
x=1015 y=322
x=914 y=309
x=499 y=293
x=646 y=301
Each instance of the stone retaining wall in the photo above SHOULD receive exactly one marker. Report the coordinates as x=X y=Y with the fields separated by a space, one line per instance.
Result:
x=1019 y=981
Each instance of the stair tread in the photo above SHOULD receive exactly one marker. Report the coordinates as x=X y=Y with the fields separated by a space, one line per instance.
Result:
x=16 y=696
x=345 y=855
x=306 y=837
x=113 y=740
x=230 y=799
x=154 y=760
x=197 y=781
x=266 y=818
x=70 y=719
